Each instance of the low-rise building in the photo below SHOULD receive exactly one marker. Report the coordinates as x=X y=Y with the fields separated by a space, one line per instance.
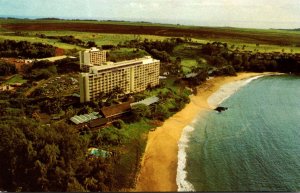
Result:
x=115 y=111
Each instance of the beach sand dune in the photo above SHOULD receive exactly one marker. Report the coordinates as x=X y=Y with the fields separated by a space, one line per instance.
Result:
x=159 y=163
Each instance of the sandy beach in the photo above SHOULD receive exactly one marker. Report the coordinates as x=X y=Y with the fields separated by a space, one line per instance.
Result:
x=159 y=163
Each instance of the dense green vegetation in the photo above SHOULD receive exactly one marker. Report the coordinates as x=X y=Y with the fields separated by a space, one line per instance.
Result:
x=228 y=62
x=53 y=151
x=46 y=147
x=11 y=48
x=7 y=68
x=179 y=57
x=44 y=69
x=49 y=158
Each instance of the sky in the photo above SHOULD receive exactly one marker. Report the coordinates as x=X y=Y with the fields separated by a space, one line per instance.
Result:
x=230 y=13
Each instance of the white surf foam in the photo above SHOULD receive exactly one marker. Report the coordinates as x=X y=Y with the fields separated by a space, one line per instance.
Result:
x=227 y=90
x=182 y=183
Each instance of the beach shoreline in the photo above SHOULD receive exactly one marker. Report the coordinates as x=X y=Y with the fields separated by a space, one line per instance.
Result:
x=159 y=163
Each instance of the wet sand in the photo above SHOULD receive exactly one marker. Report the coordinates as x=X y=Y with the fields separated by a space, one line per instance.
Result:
x=159 y=163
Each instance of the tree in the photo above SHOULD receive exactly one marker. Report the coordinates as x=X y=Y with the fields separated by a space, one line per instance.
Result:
x=237 y=62
x=86 y=110
x=7 y=69
x=160 y=55
x=140 y=111
x=11 y=48
x=51 y=158
x=41 y=64
x=115 y=93
x=90 y=44
x=201 y=76
x=67 y=65
x=70 y=112
x=118 y=123
x=160 y=112
x=219 y=61
x=178 y=60
x=51 y=106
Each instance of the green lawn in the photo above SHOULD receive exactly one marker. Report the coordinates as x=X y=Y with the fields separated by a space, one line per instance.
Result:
x=135 y=130
x=169 y=84
x=189 y=55
x=186 y=51
x=187 y=65
x=99 y=38
x=16 y=79
x=125 y=54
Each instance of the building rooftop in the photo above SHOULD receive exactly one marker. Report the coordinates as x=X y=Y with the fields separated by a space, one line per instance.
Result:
x=98 y=152
x=144 y=60
x=78 y=119
x=148 y=101
x=116 y=110
x=97 y=122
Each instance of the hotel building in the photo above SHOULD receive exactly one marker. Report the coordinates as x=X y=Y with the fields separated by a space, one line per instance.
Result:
x=131 y=76
x=91 y=57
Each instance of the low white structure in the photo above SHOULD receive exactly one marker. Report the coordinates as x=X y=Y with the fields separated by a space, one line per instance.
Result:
x=55 y=58
x=78 y=119
x=147 y=101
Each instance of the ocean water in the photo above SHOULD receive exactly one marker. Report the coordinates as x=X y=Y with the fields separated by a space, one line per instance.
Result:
x=253 y=146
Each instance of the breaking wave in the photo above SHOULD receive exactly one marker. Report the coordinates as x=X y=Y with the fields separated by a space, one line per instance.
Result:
x=182 y=183
x=227 y=90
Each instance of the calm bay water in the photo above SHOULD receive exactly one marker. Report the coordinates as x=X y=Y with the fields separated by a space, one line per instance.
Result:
x=254 y=145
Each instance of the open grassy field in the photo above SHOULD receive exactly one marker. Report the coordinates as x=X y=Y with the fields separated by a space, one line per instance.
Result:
x=114 y=32
x=187 y=65
x=262 y=36
x=189 y=56
x=99 y=38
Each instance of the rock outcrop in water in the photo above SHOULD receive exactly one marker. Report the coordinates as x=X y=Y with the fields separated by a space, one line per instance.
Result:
x=220 y=109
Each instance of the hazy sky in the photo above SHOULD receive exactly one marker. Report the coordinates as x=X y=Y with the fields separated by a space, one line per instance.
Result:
x=235 y=13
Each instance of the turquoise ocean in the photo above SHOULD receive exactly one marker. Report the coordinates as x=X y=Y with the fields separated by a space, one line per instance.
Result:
x=253 y=146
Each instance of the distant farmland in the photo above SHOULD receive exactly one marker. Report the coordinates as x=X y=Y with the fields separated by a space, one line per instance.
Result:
x=274 y=37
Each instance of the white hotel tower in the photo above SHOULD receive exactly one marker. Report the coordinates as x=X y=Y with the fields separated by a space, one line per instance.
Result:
x=91 y=57
x=131 y=76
